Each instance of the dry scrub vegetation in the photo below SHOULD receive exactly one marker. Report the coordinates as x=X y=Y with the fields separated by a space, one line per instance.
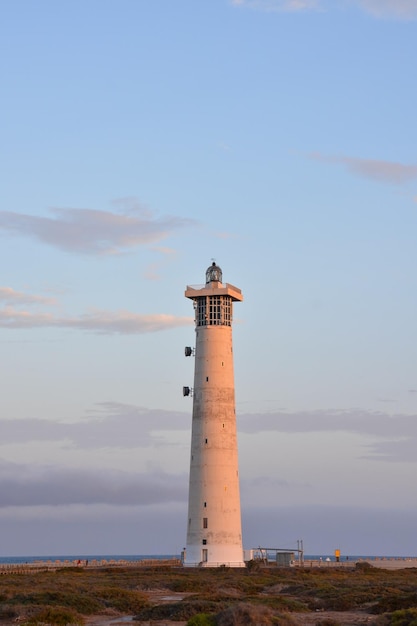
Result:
x=212 y=597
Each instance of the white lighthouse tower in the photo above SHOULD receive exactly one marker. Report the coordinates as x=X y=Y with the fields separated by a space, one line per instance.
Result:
x=214 y=533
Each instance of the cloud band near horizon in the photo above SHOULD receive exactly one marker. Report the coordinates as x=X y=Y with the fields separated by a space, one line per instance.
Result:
x=26 y=485
x=391 y=438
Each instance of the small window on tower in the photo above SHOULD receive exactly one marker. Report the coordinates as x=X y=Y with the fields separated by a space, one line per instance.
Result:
x=204 y=542
x=206 y=378
x=205 y=440
x=205 y=522
x=205 y=504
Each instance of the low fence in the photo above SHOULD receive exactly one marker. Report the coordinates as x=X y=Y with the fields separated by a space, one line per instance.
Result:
x=374 y=561
x=44 y=566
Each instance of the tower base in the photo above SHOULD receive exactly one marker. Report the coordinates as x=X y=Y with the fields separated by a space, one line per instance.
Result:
x=230 y=557
x=212 y=564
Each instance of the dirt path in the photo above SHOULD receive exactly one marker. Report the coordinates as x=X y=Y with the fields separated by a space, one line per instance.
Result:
x=163 y=596
x=156 y=596
x=344 y=618
x=105 y=620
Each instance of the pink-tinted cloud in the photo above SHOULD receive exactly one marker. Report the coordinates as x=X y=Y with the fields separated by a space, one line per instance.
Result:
x=402 y=9
x=104 y=322
x=88 y=231
x=396 y=9
x=10 y=296
x=278 y=5
x=383 y=171
x=153 y=271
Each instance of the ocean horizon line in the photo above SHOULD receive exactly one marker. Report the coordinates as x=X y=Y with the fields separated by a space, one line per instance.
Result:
x=89 y=558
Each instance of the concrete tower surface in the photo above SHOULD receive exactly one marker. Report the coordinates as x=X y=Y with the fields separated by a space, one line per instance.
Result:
x=214 y=533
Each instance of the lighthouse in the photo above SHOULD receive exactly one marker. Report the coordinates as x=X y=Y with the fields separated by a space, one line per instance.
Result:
x=214 y=531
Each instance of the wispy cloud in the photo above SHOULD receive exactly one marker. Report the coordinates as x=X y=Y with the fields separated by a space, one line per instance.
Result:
x=400 y=9
x=87 y=231
x=11 y=296
x=278 y=5
x=225 y=235
x=14 y=315
x=104 y=322
x=153 y=270
x=382 y=171
x=382 y=9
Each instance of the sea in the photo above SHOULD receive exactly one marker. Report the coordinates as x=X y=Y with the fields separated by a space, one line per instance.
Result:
x=141 y=557
x=85 y=557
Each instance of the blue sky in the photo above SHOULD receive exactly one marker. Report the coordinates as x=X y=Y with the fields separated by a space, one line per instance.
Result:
x=141 y=140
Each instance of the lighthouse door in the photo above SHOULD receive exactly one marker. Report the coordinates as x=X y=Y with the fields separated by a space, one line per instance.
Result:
x=205 y=555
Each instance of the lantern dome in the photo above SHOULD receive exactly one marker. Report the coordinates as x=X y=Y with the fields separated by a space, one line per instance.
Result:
x=214 y=274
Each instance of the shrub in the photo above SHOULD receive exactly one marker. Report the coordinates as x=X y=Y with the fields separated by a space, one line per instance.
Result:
x=253 y=566
x=202 y=619
x=54 y=616
x=7 y=613
x=187 y=584
x=405 y=617
x=80 y=602
x=395 y=603
x=363 y=565
x=245 y=614
x=178 y=611
x=284 y=619
x=122 y=600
